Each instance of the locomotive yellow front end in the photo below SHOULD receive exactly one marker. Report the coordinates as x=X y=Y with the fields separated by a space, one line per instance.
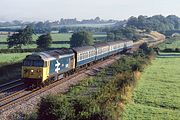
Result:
x=34 y=70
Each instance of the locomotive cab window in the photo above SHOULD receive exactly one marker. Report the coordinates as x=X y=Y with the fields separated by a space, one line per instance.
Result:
x=45 y=63
x=34 y=63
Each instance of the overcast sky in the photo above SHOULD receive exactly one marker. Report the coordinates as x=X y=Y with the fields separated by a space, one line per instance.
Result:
x=84 y=9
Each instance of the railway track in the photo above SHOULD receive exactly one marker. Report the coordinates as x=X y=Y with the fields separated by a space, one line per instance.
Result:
x=10 y=88
x=10 y=85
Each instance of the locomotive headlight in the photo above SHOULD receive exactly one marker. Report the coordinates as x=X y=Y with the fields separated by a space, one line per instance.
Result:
x=32 y=71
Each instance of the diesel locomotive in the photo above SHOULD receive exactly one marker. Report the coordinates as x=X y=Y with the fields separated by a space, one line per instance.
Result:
x=41 y=68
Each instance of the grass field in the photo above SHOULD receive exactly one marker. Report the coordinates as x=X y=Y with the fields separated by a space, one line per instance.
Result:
x=12 y=57
x=3 y=38
x=157 y=95
x=170 y=44
x=55 y=37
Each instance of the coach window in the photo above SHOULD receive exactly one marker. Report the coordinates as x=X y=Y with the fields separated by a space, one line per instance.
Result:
x=81 y=56
x=78 y=58
x=84 y=56
x=91 y=53
x=87 y=54
x=99 y=51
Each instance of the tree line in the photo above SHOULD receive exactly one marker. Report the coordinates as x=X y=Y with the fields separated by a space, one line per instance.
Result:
x=24 y=37
x=156 y=23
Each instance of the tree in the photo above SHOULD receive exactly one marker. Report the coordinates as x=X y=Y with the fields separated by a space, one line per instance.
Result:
x=23 y=37
x=110 y=36
x=42 y=27
x=44 y=41
x=80 y=39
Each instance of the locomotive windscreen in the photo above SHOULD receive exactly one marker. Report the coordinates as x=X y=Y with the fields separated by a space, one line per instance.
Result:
x=34 y=63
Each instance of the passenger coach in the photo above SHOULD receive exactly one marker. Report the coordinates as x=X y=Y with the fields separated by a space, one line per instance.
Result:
x=84 y=55
x=102 y=50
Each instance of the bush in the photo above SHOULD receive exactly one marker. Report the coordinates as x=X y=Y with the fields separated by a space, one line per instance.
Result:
x=177 y=49
x=55 y=108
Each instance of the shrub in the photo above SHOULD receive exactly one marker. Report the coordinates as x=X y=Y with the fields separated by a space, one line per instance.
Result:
x=55 y=108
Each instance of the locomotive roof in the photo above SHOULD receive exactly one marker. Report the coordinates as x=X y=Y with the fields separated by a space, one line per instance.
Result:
x=84 y=48
x=58 y=52
x=52 y=54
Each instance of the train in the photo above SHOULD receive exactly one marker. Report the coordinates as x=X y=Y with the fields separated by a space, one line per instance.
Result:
x=42 y=68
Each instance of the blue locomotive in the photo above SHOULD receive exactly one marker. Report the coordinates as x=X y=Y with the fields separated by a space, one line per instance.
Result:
x=41 y=68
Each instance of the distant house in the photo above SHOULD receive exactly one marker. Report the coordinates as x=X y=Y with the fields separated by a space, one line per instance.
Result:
x=6 y=33
x=70 y=31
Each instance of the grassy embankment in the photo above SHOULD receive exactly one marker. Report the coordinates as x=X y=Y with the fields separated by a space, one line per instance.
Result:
x=10 y=66
x=157 y=95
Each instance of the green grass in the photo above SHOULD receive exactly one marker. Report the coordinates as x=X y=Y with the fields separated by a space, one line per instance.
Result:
x=12 y=57
x=55 y=37
x=170 y=44
x=3 y=38
x=3 y=46
x=143 y=112
x=157 y=95
x=61 y=37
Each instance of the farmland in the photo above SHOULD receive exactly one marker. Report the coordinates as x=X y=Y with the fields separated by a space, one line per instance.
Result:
x=157 y=95
x=171 y=43
x=56 y=38
x=11 y=58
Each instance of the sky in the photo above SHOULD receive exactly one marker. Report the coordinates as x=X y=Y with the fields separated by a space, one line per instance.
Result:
x=36 y=10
